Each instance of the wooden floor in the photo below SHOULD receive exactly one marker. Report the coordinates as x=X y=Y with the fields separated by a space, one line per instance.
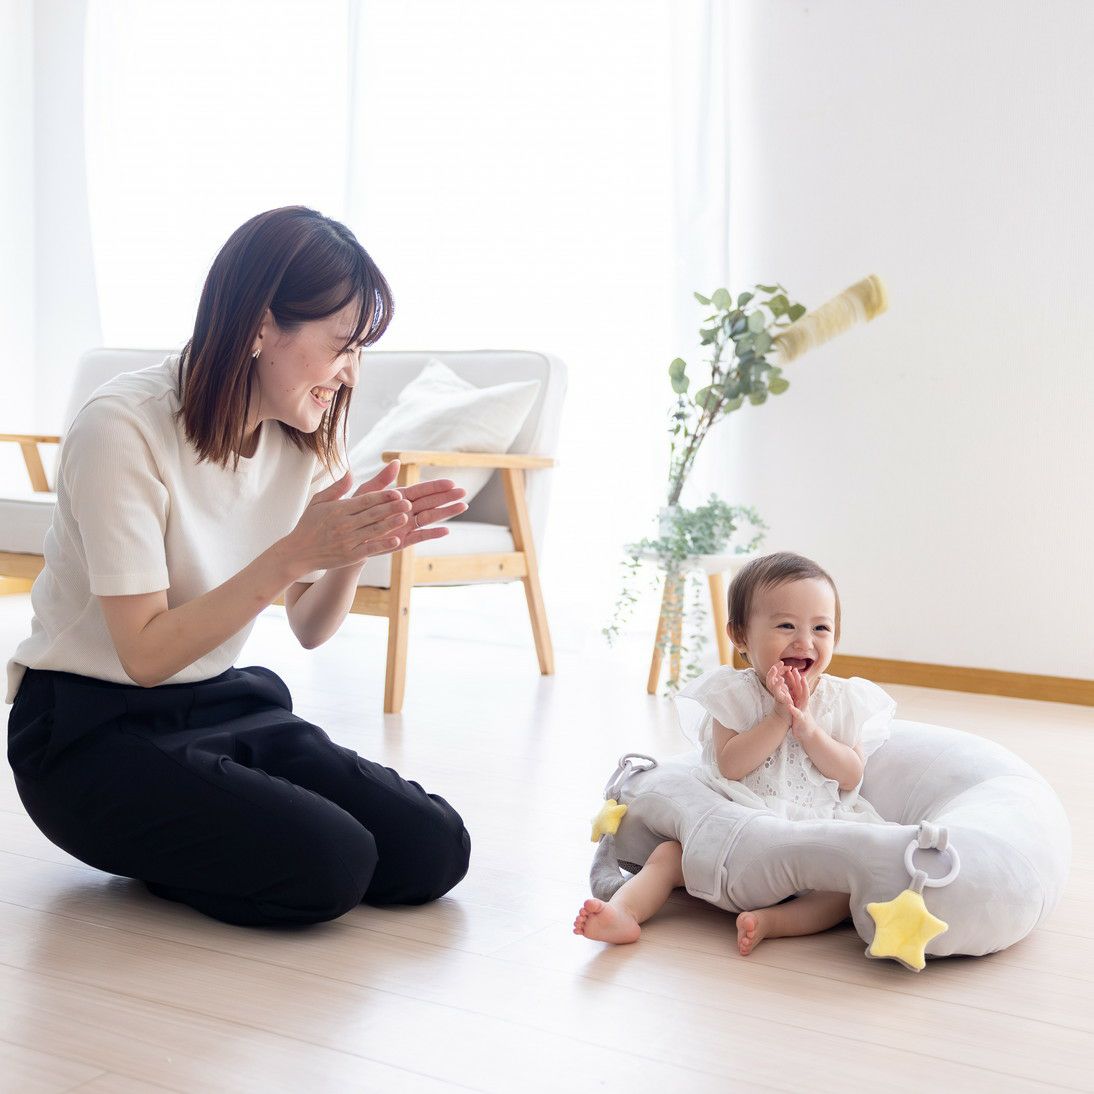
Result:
x=105 y=988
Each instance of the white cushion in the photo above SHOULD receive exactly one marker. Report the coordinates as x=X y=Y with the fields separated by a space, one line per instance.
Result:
x=25 y=518
x=465 y=537
x=440 y=412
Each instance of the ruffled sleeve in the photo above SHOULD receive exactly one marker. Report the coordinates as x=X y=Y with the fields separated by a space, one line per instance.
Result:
x=726 y=694
x=867 y=712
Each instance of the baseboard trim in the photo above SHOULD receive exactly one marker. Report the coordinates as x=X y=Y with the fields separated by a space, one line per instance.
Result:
x=1016 y=685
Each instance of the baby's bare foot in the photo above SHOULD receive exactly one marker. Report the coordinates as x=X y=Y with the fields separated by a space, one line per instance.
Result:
x=606 y=922
x=751 y=932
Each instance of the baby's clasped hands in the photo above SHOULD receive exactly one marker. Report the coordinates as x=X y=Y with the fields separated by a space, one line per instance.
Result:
x=791 y=693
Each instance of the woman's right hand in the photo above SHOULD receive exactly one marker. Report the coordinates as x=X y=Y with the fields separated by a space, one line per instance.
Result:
x=334 y=531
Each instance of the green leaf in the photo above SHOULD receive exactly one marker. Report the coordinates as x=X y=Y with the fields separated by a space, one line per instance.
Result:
x=680 y=384
x=744 y=298
x=757 y=398
x=778 y=385
x=706 y=398
x=756 y=322
x=779 y=305
x=722 y=300
x=739 y=327
x=768 y=288
x=707 y=336
x=702 y=299
x=733 y=404
x=796 y=311
x=677 y=367
x=762 y=342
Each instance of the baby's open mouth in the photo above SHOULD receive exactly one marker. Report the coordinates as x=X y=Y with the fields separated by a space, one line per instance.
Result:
x=802 y=664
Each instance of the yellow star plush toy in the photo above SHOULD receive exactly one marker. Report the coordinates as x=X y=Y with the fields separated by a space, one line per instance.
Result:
x=606 y=822
x=904 y=927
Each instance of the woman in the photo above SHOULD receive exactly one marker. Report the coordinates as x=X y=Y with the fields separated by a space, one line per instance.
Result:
x=190 y=496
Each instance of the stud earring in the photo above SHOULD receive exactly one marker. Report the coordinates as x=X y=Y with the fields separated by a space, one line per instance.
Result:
x=254 y=356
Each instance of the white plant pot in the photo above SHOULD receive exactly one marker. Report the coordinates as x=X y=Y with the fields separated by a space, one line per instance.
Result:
x=666 y=521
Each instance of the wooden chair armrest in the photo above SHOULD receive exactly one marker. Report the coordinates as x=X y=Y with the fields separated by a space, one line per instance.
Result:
x=471 y=459
x=29 y=443
x=29 y=438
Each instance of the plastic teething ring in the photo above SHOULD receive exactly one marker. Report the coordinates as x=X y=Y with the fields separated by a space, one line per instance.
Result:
x=625 y=769
x=932 y=882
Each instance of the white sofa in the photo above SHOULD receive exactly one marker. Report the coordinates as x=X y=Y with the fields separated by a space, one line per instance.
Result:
x=497 y=539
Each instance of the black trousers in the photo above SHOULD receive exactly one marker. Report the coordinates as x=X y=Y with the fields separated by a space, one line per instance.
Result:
x=215 y=794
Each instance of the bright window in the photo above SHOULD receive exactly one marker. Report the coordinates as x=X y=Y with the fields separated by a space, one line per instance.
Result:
x=198 y=116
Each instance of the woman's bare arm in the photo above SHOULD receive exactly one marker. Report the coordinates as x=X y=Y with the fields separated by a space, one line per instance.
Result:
x=155 y=642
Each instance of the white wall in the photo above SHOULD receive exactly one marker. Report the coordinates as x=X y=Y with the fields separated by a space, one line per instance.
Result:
x=938 y=461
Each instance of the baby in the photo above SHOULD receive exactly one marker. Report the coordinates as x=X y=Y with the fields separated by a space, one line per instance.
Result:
x=779 y=735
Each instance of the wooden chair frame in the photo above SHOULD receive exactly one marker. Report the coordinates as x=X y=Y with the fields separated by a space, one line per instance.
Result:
x=18 y=571
x=408 y=570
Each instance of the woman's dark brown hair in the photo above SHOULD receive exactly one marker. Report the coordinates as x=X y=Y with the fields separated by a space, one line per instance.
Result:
x=768 y=572
x=300 y=265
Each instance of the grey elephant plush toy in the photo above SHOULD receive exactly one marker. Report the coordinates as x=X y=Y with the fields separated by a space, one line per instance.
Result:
x=975 y=853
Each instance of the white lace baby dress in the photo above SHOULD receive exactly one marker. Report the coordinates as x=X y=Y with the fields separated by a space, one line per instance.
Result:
x=853 y=711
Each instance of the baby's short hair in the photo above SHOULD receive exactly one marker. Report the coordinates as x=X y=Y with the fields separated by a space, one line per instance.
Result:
x=768 y=572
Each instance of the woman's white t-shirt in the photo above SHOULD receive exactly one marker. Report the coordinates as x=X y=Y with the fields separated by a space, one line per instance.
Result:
x=136 y=513
x=852 y=711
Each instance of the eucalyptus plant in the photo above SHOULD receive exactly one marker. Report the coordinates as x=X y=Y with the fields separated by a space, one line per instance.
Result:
x=740 y=334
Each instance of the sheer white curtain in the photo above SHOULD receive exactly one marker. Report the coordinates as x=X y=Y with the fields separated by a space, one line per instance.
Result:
x=536 y=175
x=48 y=306
x=702 y=121
x=198 y=116
x=16 y=226
x=516 y=184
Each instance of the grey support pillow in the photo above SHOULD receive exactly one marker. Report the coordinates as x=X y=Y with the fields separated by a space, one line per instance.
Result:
x=1003 y=819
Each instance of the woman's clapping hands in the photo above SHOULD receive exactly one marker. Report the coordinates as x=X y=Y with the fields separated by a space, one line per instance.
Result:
x=336 y=531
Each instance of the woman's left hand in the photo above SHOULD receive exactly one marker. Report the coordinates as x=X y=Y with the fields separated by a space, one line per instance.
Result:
x=430 y=503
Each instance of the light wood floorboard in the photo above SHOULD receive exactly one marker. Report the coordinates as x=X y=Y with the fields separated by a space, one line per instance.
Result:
x=104 y=988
